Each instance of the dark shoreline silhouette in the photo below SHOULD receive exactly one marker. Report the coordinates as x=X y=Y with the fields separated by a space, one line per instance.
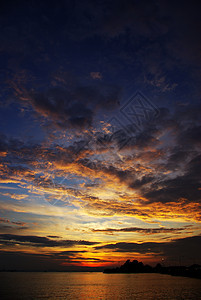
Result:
x=134 y=266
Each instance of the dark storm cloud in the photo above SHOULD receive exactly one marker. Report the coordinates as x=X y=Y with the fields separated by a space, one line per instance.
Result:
x=77 y=107
x=138 y=183
x=9 y=144
x=127 y=176
x=124 y=176
x=141 y=230
x=70 y=108
x=186 y=247
x=62 y=255
x=130 y=137
x=56 y=106
x=143 y=248
x=191 y=136
x=182 y=157
x=183 y=186
x=68 y=253
x=177 y=157
x=38 y=241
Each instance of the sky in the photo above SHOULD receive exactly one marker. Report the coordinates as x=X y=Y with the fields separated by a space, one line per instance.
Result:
x=100 y=133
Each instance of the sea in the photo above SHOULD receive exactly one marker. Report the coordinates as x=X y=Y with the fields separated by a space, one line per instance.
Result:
x=66 y=285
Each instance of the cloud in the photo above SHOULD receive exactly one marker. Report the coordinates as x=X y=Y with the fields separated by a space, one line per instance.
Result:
x=140 y=230
x=50 y=261
x=143 y=248
x=70 y=108
x=185 y=247
x=183 y=186
x=15 y=196
x=18 y=223
x=181 y=209
x=162 y=182
x=2 y=220
x=38 y=241
x=137 y=175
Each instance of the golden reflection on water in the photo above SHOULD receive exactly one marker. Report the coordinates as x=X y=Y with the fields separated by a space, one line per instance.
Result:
x=97 y=286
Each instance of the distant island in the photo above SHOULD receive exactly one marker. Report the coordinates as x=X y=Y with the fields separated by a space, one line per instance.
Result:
x=134 y=266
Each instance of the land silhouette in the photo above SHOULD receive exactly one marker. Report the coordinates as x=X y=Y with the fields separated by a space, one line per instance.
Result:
x=134 y=266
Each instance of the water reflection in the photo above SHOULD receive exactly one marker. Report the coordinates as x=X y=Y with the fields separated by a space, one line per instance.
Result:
x=97 y=286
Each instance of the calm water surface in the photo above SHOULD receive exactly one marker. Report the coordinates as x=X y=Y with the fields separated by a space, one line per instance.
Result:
x=97 y=286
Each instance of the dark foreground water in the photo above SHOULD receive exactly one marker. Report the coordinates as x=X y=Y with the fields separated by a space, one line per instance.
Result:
x=97 y=286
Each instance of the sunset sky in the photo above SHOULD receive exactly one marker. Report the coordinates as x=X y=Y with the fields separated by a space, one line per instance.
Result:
x=100 y=133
